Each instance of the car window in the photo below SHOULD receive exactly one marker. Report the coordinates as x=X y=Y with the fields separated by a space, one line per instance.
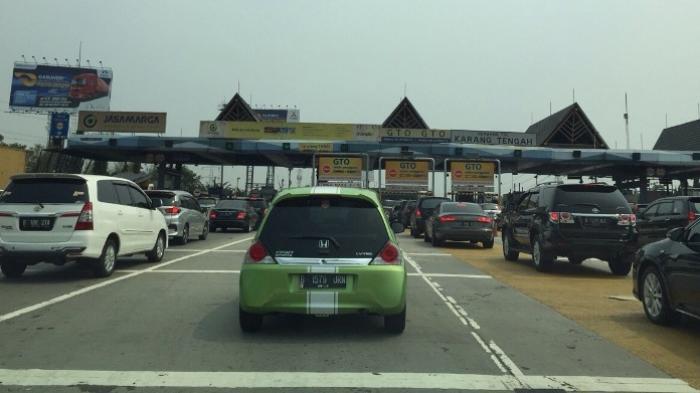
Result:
x=123 y=194
x=533 y=201
x=678 y=206
x=48 y=190
x=106 y=192
x=355 y=226
x=694 y=234
x=461 y=207
x=232 y=204
x=138 y=198
x=195 y=204
x=258 y=203
x=489 y=206
x=651 y=211
x=591 y=198
x=431 y=203
x=665 y=209
x=161 y=198
x=185 y=202
x=207 y=201
x=524 y=202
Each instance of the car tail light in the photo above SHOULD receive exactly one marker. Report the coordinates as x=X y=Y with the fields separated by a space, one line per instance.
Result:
x=447 y=218
x=418 y=213
x=240 y=216
x=212 y=215
x=172 y=210
x=257 y=254
x=626 y=219
x=692 y=216
x=85 y=219
x=5 y=214
x=389 y=255
x=484 y=219
x=561 y=217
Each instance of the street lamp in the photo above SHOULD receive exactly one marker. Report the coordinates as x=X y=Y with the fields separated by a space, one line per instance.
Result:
x=238 y=180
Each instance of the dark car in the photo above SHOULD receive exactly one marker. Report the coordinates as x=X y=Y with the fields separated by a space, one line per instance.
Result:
x=579 y=221
x=388 y=206
x=665 y=214
x=260 y=206
x=395 y=214
x=207 y=202
x=459 y=221
x=406 y=212
x=233 y=213
x=667 y=275
x=424 y=209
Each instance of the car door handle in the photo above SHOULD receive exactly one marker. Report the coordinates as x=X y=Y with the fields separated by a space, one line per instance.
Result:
x=673 y=257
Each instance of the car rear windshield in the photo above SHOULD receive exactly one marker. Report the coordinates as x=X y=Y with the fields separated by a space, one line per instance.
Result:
x=258 y=203
x=431 y=203
x=460 y=207
x=161 y=198
x=489 y=206
x=324 y=226
x=585 y=198
x=390 y=203
x=59 y=191
x=232 y=204
x=206 y=201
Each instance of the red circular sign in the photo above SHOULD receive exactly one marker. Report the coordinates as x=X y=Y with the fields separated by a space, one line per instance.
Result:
x=326 y=169
x=392 y=172
x=458 y=173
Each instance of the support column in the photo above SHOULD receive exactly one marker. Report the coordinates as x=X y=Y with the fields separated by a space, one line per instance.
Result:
x=161 y=176
x=643 y=185
x=289 y=177
x=177 y=183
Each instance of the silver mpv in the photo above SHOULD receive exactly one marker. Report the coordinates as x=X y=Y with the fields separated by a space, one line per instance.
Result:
x=185 y=218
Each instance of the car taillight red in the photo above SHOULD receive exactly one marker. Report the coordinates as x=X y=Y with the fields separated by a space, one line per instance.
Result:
x=418 y=213
x=561 y=217
x=240 y=216
x=626 y=219
x=172 y=210
x=447 y=218
x=390 y=254
x=692 y=216
x=257 y=252
x=212 y=215
x=85 y=219
x=484 y=219
x=5 y=214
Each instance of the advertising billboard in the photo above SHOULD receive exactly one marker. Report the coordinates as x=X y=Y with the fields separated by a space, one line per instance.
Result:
x=58 y=127
x=138 y=122
x=12 y=162
x=407 y=172
x=340 y=168
x=287 y=115
x=275 y=130
x=44 y=88
x=494 y=138
x=472 y=175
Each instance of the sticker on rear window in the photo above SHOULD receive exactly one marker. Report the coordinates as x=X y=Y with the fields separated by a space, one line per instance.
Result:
x=285 y=253
x=78 y=193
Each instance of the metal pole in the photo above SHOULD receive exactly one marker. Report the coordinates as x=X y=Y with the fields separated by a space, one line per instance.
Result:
x=433 y=178
x=289 y=177
x=313 y=169
x=627 y=124
x=444 y=176
x=498 y=162
x=221 y=193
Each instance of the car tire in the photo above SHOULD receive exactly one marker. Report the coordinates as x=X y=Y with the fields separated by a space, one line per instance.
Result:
x=543 y=260
x=509 y=253
x=212 y=229
x=249 y=322
x=414 y=233
x=620 y=266
x=185 y=238
x=247 y=227
x=436 y=242
x=425 y=237
x=104 y=265
x=156 y=254
x=205 y=232
x=12 y=269
x=488 y=243
x=576 y=260
x=655 y=298
x=396 y=323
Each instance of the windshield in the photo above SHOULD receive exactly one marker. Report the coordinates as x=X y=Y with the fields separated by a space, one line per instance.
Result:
x=489 y=206
x=258 y=203
x=58 y=191
x=207 y=201
x=431 y=203
x=161 y=198
x=461 y=207
x=390 y=203
x=232 y=204
x=591 y=199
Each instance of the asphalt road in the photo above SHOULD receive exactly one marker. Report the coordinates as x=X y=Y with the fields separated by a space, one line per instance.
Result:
x=173 y=326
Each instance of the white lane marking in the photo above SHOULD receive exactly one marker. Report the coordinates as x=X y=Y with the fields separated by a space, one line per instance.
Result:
x=451 y=300
x=311 y=380
x=473 y=324
x=498 y=364
x=199 y=250
x=508 y=362
x=481 y=342
x=69 y=295
x=624 y=298
x=429 y=254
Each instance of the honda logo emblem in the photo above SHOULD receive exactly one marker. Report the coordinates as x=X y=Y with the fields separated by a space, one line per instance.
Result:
x=323 y=243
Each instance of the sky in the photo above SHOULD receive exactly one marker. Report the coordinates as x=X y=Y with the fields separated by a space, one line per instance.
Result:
x=487 y=65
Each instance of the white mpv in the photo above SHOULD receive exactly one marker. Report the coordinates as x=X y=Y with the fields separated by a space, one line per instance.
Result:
x=58 y=218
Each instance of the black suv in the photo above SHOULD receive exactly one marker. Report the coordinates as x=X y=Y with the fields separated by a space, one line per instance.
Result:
x=665 y=214
x=578 y=221
x=424 y=209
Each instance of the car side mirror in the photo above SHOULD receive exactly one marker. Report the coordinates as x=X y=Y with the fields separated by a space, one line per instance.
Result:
x=676 y=234
x=397 y=227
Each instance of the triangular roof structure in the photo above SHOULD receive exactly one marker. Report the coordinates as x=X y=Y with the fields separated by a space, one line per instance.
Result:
x=684 y=136
x=405 y=115
x=237 y=109
x=569 y=127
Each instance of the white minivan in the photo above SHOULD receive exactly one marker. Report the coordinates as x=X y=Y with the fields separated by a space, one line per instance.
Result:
x=58 y=218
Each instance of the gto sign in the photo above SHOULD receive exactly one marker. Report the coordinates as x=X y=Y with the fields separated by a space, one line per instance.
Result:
x=407 y=172
x=346 y=169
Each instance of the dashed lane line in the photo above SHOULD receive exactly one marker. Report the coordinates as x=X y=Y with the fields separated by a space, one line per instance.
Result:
x=69 y=295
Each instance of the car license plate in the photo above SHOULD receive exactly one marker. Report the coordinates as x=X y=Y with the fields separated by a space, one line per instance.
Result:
x=35 y=224
x=466 y=223
x=596 y=221
x=322 y=281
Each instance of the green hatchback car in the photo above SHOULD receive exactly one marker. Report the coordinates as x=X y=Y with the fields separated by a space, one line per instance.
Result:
x=324 y=251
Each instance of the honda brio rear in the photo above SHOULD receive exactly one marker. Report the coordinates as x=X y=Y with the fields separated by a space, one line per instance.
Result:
x=324 y=251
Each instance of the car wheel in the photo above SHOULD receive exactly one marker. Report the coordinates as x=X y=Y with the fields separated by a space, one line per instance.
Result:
x=249 y=322
x=509 y=253
x=156 y=254
x=396 y=323
x=12 y=269
x=182 y=240
x=212 y=229
x=436 y=242
x=104 y=265
x=576 y=260
x=488 y=243
x=247 y=227
x=654 y=298
x=425 y=237
x=414 y=233
x=205 y=232
x=542 y=259
x=620 y=266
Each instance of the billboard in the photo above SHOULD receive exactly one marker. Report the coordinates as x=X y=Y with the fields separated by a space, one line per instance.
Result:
x=494 y=138
x=12 y=162
x=472 y=175
x=45 y=88
x=286 y=115
x=404 y=135
x=275 y=130
x=58 y=127
x=139 y=122
x=340 y=168
x=407 y=172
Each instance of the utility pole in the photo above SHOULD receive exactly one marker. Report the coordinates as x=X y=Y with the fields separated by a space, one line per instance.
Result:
x=627 y=124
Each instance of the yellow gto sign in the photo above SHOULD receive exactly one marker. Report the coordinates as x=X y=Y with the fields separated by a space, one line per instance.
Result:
x=340 y=168
x=275 y=130
x=472 y=173
x=402 y=172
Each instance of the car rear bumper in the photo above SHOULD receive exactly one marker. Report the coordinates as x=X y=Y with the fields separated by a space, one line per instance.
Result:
x=31 y=253
x=369 y=289
x=589 y=247
x=229 y=224
x=175 y=227
x=478 y=234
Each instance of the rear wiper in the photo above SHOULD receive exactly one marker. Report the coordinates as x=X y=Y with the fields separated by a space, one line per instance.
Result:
x=331 y=238
x=588 y=204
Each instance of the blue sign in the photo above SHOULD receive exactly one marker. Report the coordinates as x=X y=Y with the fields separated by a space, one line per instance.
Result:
x=59 y=125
